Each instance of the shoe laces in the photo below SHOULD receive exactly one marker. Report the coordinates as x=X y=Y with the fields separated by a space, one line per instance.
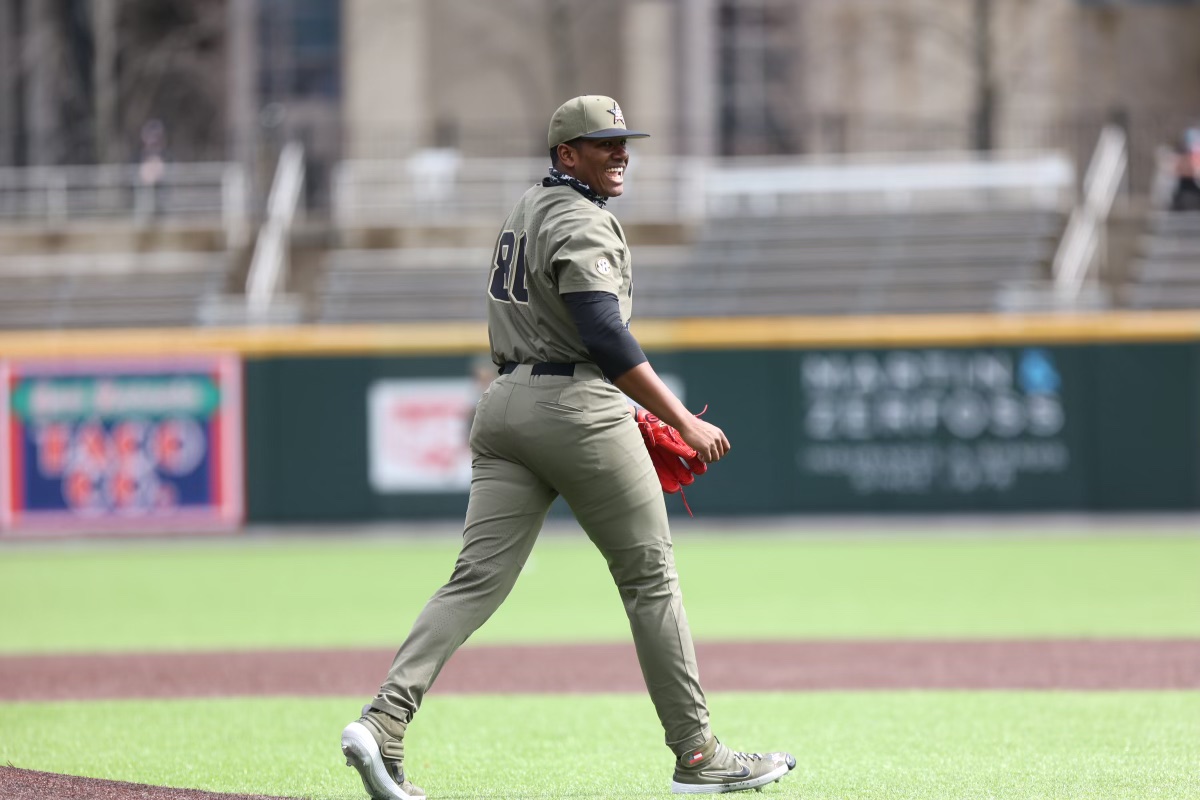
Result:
x=737 y=754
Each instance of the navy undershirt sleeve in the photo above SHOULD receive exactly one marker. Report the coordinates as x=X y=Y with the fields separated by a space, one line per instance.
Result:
x=608 y=341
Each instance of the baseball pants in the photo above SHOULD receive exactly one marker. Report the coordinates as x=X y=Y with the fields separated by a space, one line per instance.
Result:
x=535 y=437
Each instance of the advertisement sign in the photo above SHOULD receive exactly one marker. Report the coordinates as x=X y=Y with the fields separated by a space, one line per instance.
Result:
x=417 y=434
x=147 y=446
x=971 y=426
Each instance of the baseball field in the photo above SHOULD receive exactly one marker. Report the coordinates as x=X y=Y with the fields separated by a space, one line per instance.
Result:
x=1014 y=663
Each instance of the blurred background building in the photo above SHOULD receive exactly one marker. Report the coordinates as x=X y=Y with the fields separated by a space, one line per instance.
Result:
x=388 y=78
x=406 y=115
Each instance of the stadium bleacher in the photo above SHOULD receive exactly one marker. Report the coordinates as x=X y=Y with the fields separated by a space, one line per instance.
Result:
x=101 y=290
x=880 y=263
x=841 y=264
x=734 y=238
x=863 y=235
x=1166 y=273
x=402 y=284
x=92 y=247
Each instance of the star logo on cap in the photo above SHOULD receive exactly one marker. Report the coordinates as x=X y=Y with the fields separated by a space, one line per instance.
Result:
x=618 y=117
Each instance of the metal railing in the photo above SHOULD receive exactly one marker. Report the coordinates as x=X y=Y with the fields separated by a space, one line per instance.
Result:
x=954 y=181
x=1083 y=247
x=447 y=189
x=269 y=265
x=178 y=191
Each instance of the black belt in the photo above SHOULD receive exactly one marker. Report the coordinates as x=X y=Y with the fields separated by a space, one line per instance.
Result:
x=542 y=368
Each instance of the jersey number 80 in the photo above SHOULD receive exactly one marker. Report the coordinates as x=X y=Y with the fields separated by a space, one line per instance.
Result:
x=507 y=283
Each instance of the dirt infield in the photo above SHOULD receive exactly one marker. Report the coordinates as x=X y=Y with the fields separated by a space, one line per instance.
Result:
x=729 y=666
x=749 y=666
x=26 y=784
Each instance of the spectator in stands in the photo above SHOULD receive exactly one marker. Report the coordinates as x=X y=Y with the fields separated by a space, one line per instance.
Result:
x=1187 y=172
x=151 y=169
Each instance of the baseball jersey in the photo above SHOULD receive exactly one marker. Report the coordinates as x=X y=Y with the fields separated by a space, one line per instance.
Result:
x=555 y=241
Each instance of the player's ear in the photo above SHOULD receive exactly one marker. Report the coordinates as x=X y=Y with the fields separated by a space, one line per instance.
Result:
x=567 y=155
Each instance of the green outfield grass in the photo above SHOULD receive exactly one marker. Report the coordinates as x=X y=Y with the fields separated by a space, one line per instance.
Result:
x=928 y=745
x=364 y=592
x=118 y=596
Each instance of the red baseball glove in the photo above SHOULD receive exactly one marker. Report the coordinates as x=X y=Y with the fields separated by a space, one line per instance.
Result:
x=675 y=462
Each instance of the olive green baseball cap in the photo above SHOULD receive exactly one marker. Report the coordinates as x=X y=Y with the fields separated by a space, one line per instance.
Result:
x=591 y=116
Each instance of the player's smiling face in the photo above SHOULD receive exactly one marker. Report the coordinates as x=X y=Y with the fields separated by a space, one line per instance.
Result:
x=600 y=163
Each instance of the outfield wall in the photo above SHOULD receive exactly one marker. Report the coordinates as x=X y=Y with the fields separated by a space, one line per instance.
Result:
x=921 y=414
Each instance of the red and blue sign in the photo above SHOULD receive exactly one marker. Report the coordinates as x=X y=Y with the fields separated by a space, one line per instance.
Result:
x=149 y=446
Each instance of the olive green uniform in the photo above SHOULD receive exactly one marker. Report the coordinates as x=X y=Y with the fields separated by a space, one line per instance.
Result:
x=537 y=436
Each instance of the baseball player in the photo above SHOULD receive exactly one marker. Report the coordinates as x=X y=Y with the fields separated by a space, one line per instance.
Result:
x=556 y=422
